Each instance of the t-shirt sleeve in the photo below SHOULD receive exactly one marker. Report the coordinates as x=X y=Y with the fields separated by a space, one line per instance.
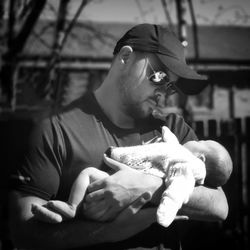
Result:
x=40 y=170
x=180 y=128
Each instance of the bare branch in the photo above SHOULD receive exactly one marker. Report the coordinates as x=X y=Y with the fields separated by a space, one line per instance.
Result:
x=100 y=34
x=60 y=39
x=43 y=41
x=195 y=31
x=15 y=46
x=11 y=22
x=83 y=4
x=19 y=41
x=26 y=8
x=165 y=8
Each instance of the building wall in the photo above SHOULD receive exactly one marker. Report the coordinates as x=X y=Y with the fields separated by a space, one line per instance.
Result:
x=214 y=102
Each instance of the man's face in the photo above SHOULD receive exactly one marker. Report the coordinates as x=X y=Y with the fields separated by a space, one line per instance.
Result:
x=144 y=86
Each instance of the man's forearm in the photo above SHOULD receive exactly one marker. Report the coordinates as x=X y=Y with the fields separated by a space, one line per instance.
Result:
x=39 y=235
x=121 y=189
x=77 y=233
x=206 y=204
x=29 y=233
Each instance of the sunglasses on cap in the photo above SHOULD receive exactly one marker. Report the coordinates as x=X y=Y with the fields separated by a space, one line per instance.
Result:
x=161 y=79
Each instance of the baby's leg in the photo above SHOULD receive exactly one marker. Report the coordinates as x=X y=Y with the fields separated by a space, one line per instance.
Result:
x=179 y=185
x=55 y=211
x=68 y=209
x=44 y=214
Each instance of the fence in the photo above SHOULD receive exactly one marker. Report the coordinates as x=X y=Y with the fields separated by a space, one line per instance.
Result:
x=233 y=134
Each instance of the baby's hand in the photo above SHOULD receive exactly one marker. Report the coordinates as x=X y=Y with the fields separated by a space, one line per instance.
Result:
x=168 y=136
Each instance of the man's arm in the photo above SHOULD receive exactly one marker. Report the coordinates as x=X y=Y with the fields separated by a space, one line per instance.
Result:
x=206 y=204
x=127 y=184
x=120 y=189
x=29 y=233
x=55 y=211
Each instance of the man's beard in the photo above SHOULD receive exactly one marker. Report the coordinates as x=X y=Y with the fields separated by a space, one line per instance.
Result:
x=132 y=108
x=136 y=111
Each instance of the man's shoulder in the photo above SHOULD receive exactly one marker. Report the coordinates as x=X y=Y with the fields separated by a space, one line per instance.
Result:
x=85 y=104
x=69 y=116
x=81 y=108
x=173 y=118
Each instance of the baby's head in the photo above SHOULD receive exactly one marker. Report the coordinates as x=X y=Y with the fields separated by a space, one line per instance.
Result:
x=217 y=159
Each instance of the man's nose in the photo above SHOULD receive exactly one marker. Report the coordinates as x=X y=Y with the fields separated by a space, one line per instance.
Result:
x=161 y=97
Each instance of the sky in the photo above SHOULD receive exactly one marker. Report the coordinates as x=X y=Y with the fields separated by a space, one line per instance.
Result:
x=207 y=12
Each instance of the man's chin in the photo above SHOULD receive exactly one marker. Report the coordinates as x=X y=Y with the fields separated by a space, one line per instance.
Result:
x=146 y=113
x=141 y=112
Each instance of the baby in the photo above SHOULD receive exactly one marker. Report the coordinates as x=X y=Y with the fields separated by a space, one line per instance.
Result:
x=203 y=162
x=196 y=162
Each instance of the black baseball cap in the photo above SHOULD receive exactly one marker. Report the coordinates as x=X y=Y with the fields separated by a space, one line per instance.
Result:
x=162 y=42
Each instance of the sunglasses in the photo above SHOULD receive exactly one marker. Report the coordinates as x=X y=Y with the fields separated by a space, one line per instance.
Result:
x=161 y=79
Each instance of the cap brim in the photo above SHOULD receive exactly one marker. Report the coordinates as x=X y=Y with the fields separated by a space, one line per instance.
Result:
x=190 y=82
x=191 y=86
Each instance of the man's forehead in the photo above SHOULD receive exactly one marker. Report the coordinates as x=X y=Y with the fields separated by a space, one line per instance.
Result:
x=159 y=66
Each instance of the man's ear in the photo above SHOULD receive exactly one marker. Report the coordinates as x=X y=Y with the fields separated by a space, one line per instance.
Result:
x=125 y=53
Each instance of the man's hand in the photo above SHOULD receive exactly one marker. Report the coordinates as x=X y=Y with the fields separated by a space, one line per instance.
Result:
x=113 y=194
x=129 y=222
x=116 y=192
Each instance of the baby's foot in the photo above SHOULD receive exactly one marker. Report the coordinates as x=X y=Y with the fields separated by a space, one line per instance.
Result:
x=166 y=212
x=43 y=213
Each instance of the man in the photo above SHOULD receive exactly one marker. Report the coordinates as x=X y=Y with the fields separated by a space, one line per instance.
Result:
x=148 y=62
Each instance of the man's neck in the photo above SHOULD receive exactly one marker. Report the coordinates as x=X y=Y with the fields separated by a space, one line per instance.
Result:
x=110 y=104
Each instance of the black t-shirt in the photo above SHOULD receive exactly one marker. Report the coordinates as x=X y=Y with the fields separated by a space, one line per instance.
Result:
x=61 y=146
